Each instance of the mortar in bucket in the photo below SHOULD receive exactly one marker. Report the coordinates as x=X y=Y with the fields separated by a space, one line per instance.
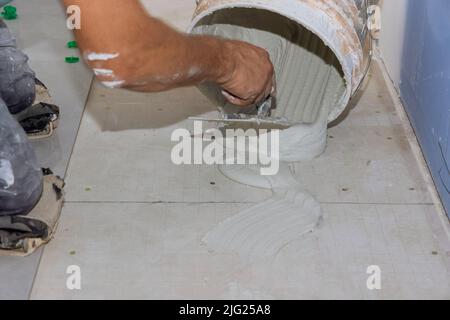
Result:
x=320 y=54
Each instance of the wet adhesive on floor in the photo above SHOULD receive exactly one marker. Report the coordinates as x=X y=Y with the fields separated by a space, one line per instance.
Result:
x=262 y=230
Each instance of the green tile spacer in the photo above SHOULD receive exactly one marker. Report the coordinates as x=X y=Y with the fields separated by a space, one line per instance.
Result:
x=72 y=44
x=9 y=13
x=72 y=59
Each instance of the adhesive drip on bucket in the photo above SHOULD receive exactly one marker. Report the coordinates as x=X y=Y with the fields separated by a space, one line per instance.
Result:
x=310 y=83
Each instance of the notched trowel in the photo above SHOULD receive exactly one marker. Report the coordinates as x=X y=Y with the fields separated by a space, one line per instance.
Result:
x=262 y=119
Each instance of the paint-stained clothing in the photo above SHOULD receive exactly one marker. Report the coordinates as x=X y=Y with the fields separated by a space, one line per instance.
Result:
x=17 y=80
x=20 y=175
x=4 y=2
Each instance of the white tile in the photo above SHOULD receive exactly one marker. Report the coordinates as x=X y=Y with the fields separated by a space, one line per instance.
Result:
x=134 y=221
x=41 y=32
x=123 y=153
x=361 y=163
x=155 y=251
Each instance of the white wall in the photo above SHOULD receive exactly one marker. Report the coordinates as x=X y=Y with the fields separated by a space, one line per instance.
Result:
x=392 y=35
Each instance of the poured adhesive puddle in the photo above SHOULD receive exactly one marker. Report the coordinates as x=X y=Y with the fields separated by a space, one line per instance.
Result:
x=262 y=230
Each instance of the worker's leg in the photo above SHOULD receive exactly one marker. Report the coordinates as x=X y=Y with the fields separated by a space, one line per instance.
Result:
x=17 y=80
x=25 y=96
x=30 y=198
x=20 y=175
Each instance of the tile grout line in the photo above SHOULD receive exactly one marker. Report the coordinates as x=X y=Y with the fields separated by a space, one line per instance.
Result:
x=79 y=126
x=65 y=174
x=243 y=202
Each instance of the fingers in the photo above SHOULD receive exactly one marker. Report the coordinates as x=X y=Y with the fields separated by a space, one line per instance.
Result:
x=252 y=78
x=270 y=90
x=236 y=100
x=262 y=97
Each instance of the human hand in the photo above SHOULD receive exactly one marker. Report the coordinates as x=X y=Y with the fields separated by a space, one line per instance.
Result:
x=249 y=75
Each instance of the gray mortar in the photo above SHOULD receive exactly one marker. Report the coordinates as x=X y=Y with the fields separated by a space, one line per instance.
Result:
x=309 y=77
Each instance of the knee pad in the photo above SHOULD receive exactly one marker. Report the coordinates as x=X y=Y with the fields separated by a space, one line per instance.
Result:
x=20 y=175
x=20 y=188
x=25 y=94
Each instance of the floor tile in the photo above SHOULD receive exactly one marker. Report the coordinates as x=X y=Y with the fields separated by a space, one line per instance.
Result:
x=368 y=158
x=124 y=151
x=133 y=221
x=155 y=251
x=41 y=32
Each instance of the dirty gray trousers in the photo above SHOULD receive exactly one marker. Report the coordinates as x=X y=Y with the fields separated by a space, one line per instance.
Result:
x=20 y=175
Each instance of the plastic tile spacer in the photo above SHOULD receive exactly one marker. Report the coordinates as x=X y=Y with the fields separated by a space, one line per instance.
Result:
x=9 y=13
x=72 y=59
x=72 y=44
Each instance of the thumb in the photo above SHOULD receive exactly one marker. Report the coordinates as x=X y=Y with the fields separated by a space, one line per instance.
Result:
x=236 y=100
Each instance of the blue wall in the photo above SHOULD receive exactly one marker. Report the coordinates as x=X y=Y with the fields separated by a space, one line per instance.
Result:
x=425 y=84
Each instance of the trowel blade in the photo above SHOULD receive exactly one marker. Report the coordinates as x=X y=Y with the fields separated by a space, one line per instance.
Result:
x=259 y=121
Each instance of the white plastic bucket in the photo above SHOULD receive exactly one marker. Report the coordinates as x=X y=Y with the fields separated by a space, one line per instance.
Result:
x=318 y=49
x=340 y=24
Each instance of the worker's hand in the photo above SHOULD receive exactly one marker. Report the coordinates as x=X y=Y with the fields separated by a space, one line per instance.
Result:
x=249 y=76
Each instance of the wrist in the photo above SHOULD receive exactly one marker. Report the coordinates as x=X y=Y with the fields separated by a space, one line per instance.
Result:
x=222 y=62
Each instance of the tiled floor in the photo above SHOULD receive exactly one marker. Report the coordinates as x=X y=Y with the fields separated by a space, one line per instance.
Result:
x=133 y=222
x=41 y=32
x=139 y=250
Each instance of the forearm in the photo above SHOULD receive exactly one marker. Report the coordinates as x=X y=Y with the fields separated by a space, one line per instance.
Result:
x=128 y=48
x=180 y=61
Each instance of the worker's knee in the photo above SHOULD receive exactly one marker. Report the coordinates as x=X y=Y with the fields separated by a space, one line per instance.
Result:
x=7 y=39
x=22 y=95
x=20 y=176
x=18 y=194
x=17 y=80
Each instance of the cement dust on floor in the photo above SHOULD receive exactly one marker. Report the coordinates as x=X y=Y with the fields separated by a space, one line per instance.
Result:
x=133 y=221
